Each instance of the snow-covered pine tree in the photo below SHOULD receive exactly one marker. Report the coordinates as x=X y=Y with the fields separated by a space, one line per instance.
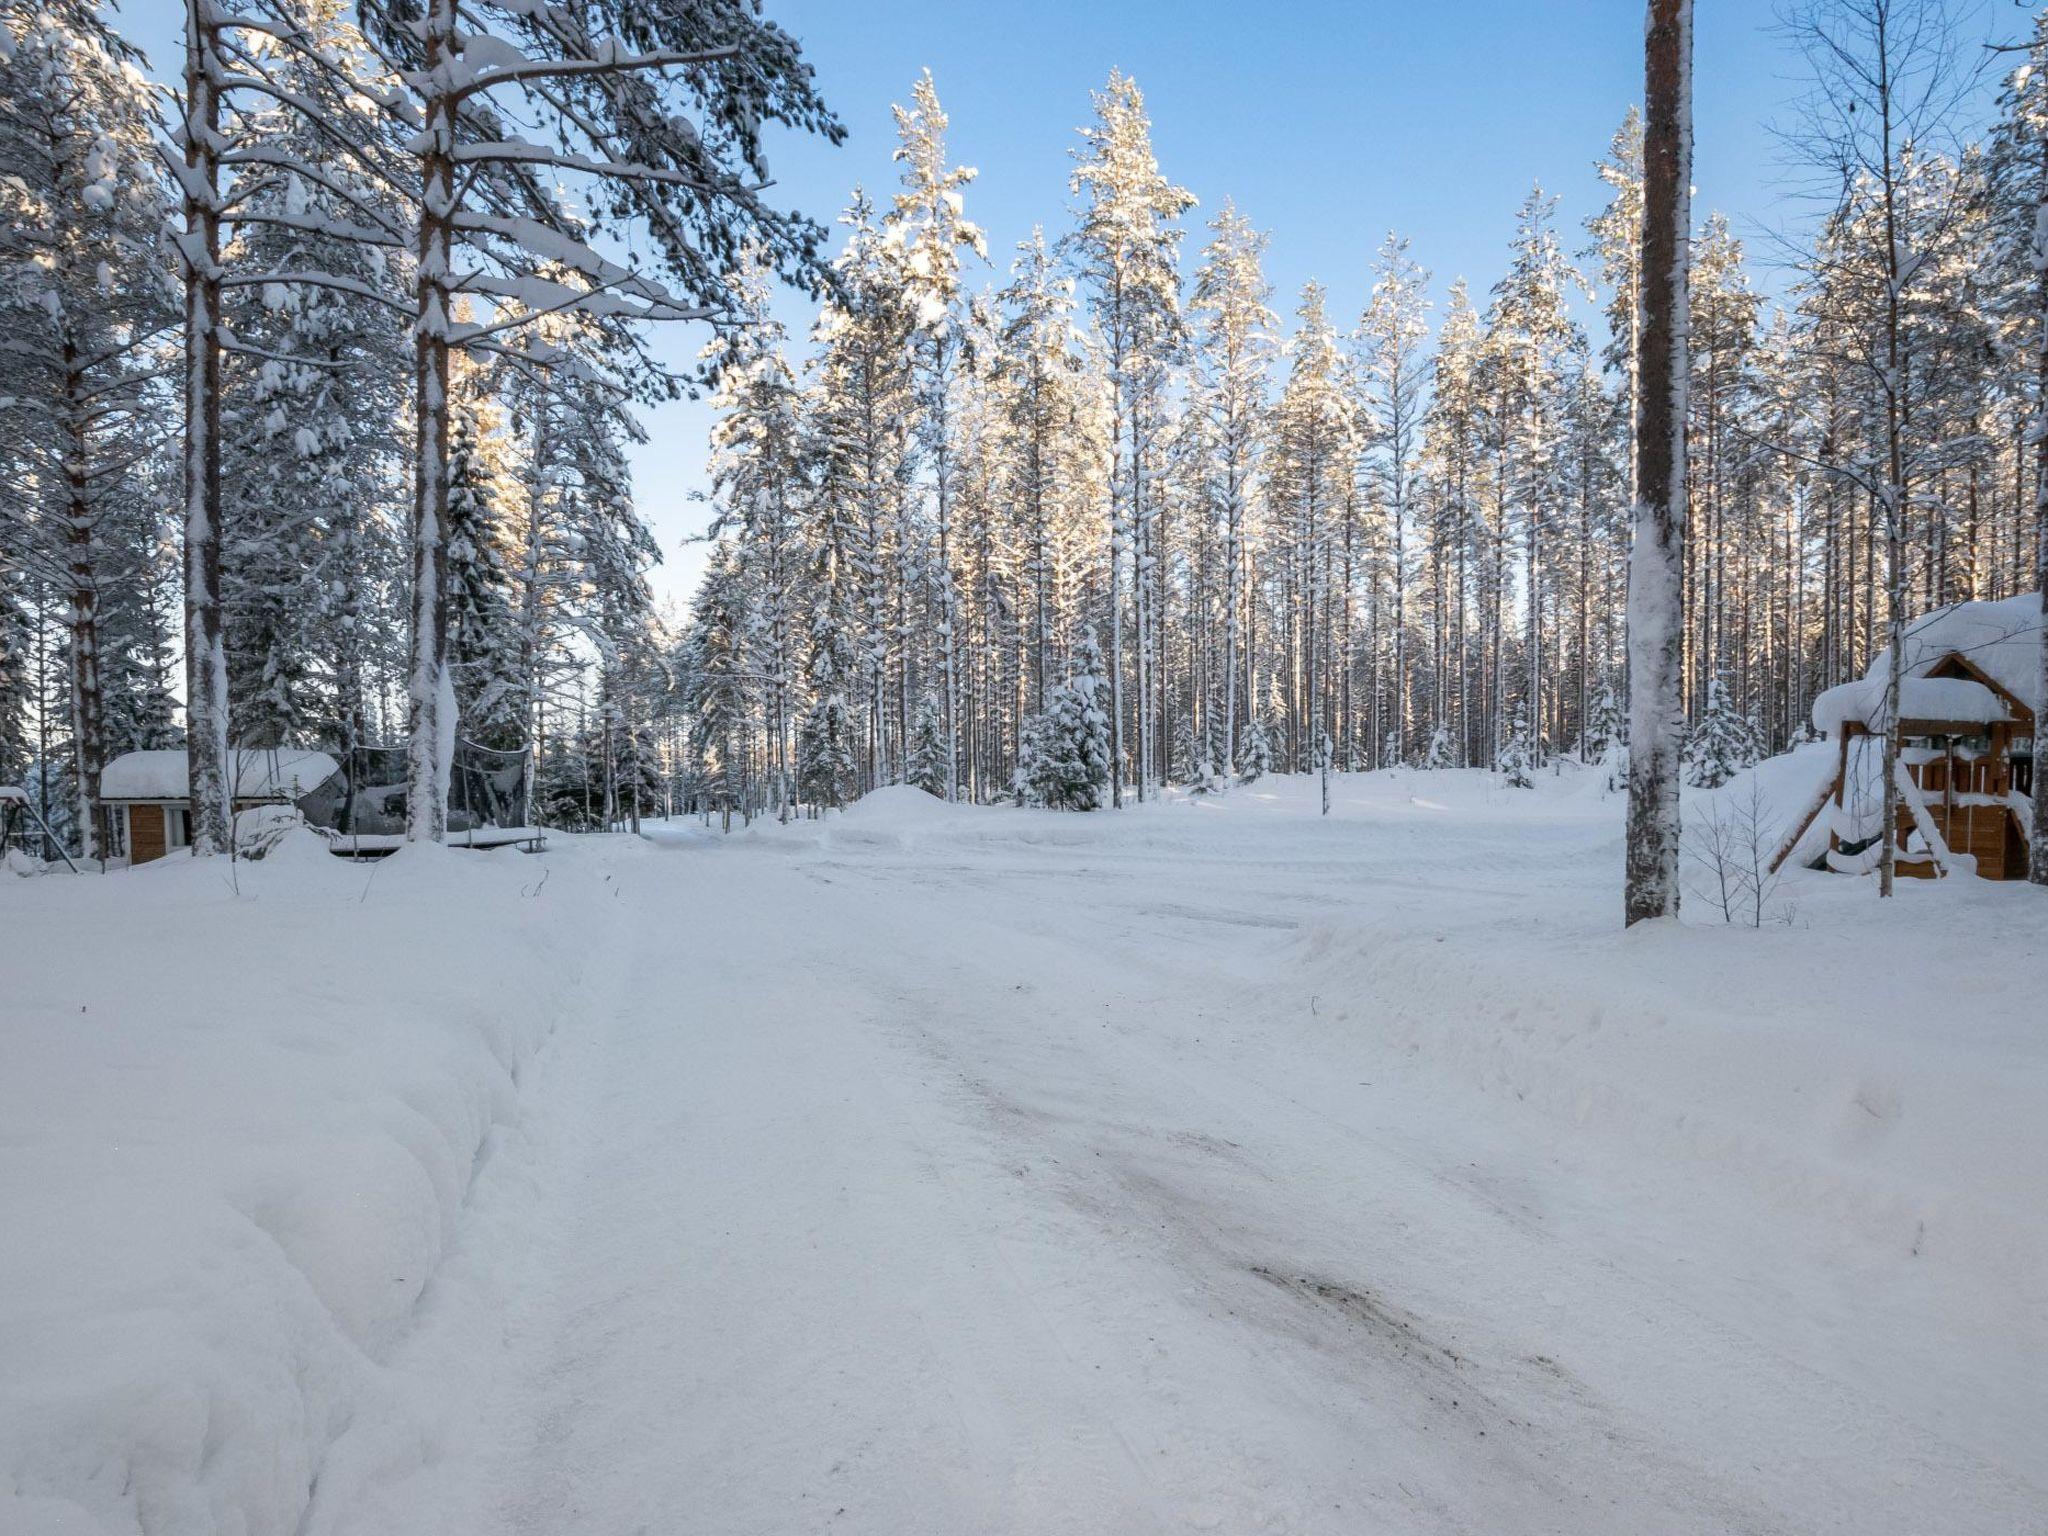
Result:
x=1440 y=752
x=84 y=305
x=313 y=382
x=1068 y=767
x=928 y=748
x=1617 y=232
x=759 y=475
x=1257 y=760
x=16 y=644
x=1233 y=352
x=1456 y=474
x=1039 y=379
x=928 y=224
x=1392 y=370
x=1189 y=762
x=2020 y=176
x=1530 y=334
x=828 y=773
x=863 y=415
x=1722 y=743
x=1126 y=248
x=1517 y=761
x=1309 y=478
x=1605 y=743
x=483 y=643
x=662 y=108
x=717 y=682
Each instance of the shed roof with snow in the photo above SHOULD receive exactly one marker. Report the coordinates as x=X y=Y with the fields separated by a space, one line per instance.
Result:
x=283 y=774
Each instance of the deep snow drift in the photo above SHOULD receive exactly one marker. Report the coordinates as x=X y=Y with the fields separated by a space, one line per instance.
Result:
x=1212 y=1166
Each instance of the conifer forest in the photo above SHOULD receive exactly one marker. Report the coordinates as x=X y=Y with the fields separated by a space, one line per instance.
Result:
x=1099 y=769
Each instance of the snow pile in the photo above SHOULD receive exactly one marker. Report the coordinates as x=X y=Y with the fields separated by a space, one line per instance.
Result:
x=897 y=805
x=246 y=1108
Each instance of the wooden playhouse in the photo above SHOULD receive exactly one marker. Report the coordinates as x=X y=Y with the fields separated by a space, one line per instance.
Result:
x=148 y=796
x=1966 y=772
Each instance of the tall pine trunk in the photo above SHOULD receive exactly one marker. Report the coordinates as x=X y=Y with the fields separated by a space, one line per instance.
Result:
x=430 y=747
x=88 y=714
x=2037 y=866
x=206 y=663
x=1655 y=595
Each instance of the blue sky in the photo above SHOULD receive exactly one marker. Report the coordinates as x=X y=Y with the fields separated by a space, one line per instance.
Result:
x=1328 y=123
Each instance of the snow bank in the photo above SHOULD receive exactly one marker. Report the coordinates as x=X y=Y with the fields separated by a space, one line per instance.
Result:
x=245 y=1112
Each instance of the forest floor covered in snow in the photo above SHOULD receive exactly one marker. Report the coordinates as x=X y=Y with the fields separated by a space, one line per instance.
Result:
x=1210 y=1167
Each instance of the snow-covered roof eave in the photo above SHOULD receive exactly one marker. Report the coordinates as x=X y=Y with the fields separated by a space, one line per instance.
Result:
x=1958 y=701
x=285 y=774
x=1998 y=640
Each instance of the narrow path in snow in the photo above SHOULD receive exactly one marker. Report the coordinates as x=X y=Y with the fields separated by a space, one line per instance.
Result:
x=974 y=1195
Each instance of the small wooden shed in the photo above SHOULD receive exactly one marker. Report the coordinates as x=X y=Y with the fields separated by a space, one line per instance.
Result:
x=147 y=795
x=1967 y=708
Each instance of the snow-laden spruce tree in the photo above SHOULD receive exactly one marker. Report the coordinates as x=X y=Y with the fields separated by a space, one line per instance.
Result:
x=1606 y=739
x=1516 y=762
x=1723 y=741
x=828 y=772
x=1606 y=726
x=928 y=754
x=1257 y=759
x=1188 y=764
x=483 y=642
x=1440 y=753
x=1067 y=766
x=718 y=681
x=1656 y=589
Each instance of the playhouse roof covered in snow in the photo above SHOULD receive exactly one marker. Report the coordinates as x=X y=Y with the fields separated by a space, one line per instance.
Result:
x=1957 y=700
x=2001 y=640
x=283 y=774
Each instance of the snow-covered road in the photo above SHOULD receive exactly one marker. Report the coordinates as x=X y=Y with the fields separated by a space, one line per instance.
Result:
x=937 y=1173
x=1209 y=1167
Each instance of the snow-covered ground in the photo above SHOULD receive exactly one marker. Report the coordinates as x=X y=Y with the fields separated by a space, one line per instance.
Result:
x=1208 y=1167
